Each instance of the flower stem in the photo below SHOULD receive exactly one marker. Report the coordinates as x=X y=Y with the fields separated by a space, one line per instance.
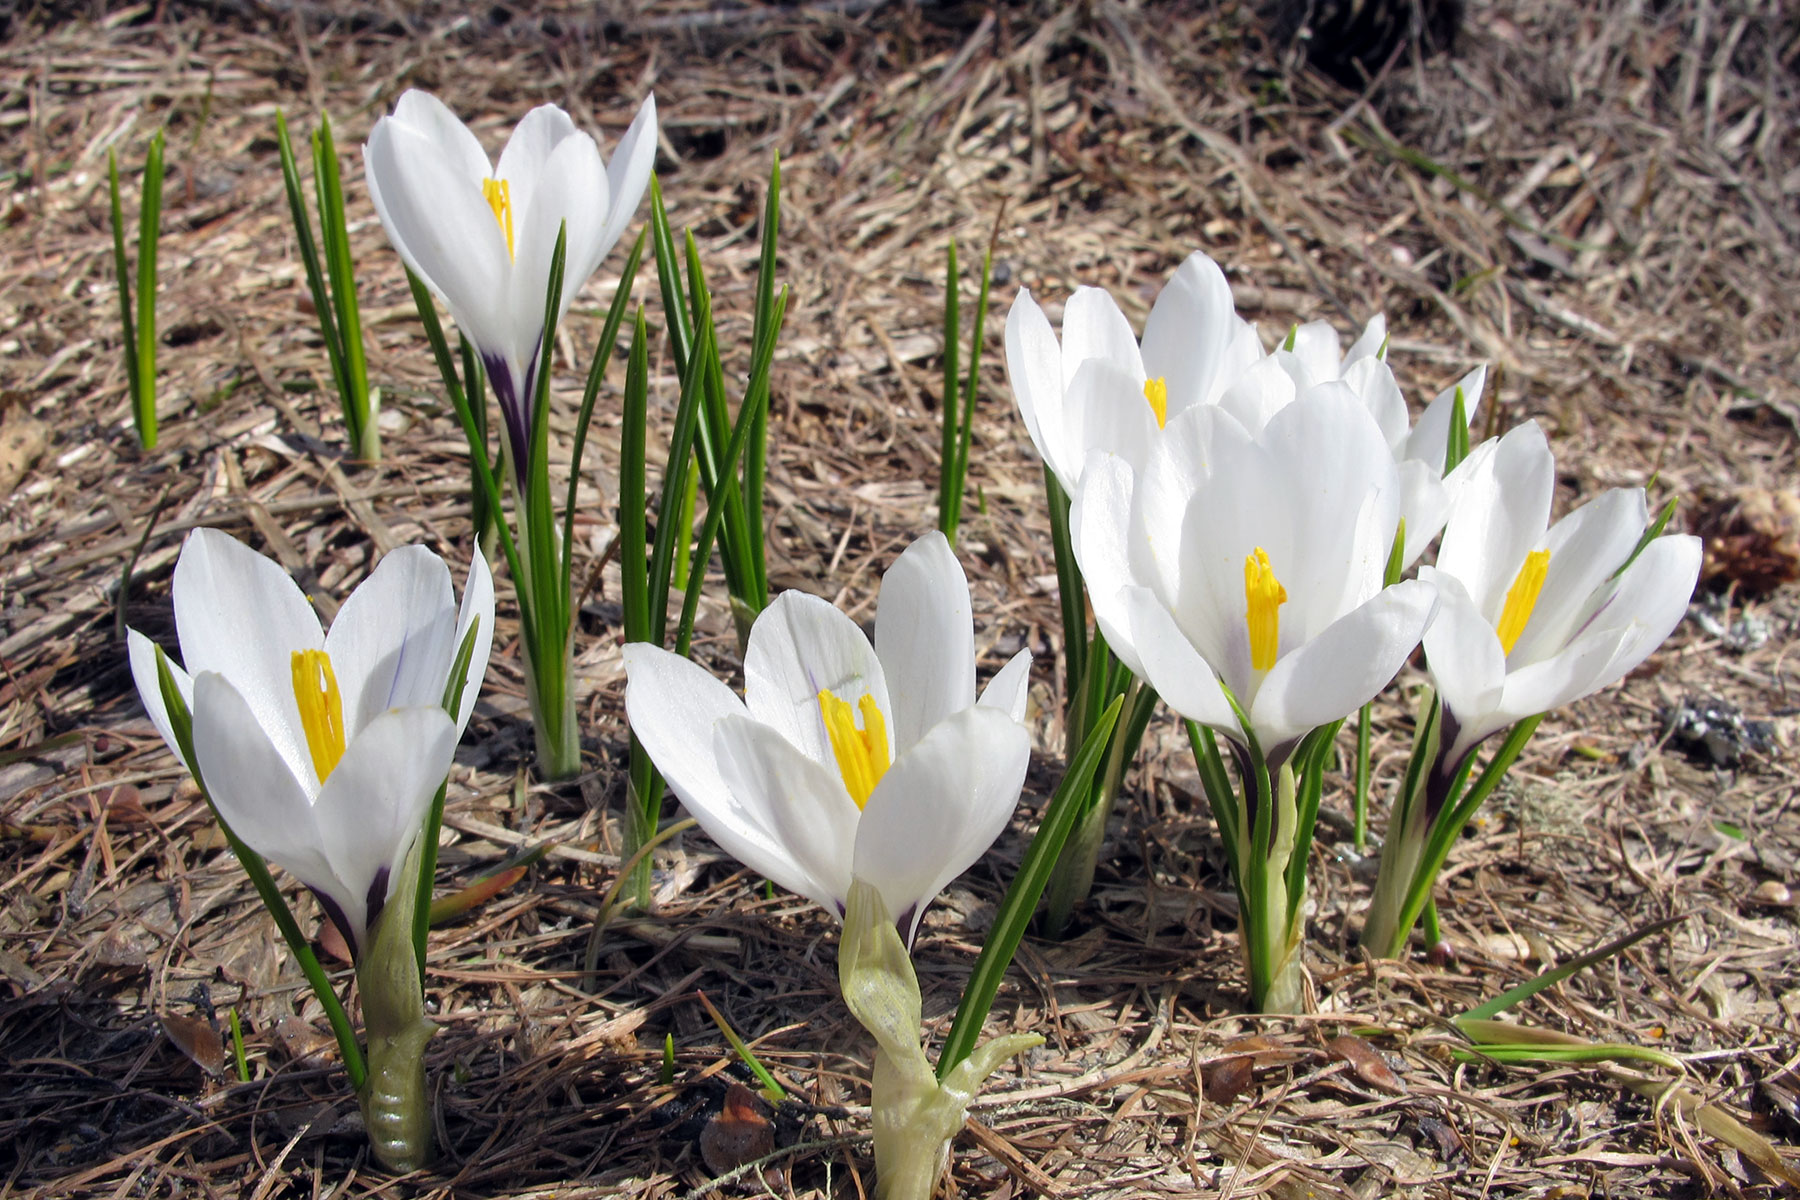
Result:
x=396 y=1104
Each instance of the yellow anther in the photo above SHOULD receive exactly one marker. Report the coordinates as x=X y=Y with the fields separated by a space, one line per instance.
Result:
x=1263 y=598
x=1156 y=391
x=321 y=709
x=862 y=754
x=1521 y=598
x=499 y=197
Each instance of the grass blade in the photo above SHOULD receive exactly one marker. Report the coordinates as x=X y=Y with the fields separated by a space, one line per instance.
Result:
x=1023 y=893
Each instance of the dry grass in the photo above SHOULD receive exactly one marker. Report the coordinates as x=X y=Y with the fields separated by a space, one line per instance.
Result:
x=1598 y=199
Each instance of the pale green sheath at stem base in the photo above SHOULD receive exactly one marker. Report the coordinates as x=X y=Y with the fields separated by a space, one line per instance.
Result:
x=914 y=1115
x=396 y=1104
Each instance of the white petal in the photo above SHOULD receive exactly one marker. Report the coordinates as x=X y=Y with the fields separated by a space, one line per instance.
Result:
x=1343 y=497
x=1574 y=671
x=1187 y=683
x=1497 y=516
x=427 y=116
x=1110 y=413
x=800 y=646
x=253 y=788
x=370 y=810
x=939 y=808
x=527 y=154
x=628 y=173
x=798 y=824
x=1463 y=654
x=239 y=614
x=1316 y=352
x=1370 y=378
x=1424 y=506
x=392 y=642
x=1586 y=548
x=438 y=220
x=1188 y=332
x=1099 y=526
x=1034 y=369
x=1336 y=672
x=477 y=605
x=1369 y=344
x=1093 y=327
x=1258 y=393
x=1653 y=594
x=925 y=639
x=1008 y=689
x=141 y=652
x=571 y=193
x=1431 y=435
x=673 y=705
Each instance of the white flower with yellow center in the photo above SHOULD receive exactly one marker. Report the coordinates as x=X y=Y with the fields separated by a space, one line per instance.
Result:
x=1099 y=390
x=322 y=752
x=482 y=235
x=845 y=760
x=1534 y=618
x=1252 y=564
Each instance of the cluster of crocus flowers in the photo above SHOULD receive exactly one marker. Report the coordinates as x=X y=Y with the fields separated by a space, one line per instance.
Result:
x=1241 y=520
x=322 y=752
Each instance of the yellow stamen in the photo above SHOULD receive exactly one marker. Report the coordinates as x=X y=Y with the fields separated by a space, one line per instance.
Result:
x=1521 y=598
x=1263 y=598
x=499 y=197
x=1156 y=391
x=321 y=709
x=862 y=754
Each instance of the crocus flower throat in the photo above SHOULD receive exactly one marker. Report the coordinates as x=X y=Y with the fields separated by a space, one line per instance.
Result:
x=498 y=194
x=862 y=754
x=1263 y=598
x=1521 y=598
x=321 y=709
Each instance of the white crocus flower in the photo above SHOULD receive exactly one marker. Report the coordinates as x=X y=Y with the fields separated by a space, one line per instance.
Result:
x=845 y=760
x=1532 y=619
x=1254 y=562
x=1099 y=390
x=482 y=235
x=322 y=752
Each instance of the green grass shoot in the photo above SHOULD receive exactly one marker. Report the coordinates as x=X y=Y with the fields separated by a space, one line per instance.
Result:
x=138 y=331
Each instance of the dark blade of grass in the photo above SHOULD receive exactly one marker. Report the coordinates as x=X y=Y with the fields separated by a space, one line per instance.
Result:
x=309 y=255
x=1530 y=988
x=549 y=602
x=603 y=353
x=682 y=468
x=474 y=389
x=966 y=419
x=454 y=687
x=1023 y=893
x=709 y=528
x=722 y=488
x=1069 y=591
x=181 y=724
x=149 y=233
x=948 y=484
x=478 y=451
x=634 y=496
x=353 y=394
x=127 y=322
x=764 y=327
